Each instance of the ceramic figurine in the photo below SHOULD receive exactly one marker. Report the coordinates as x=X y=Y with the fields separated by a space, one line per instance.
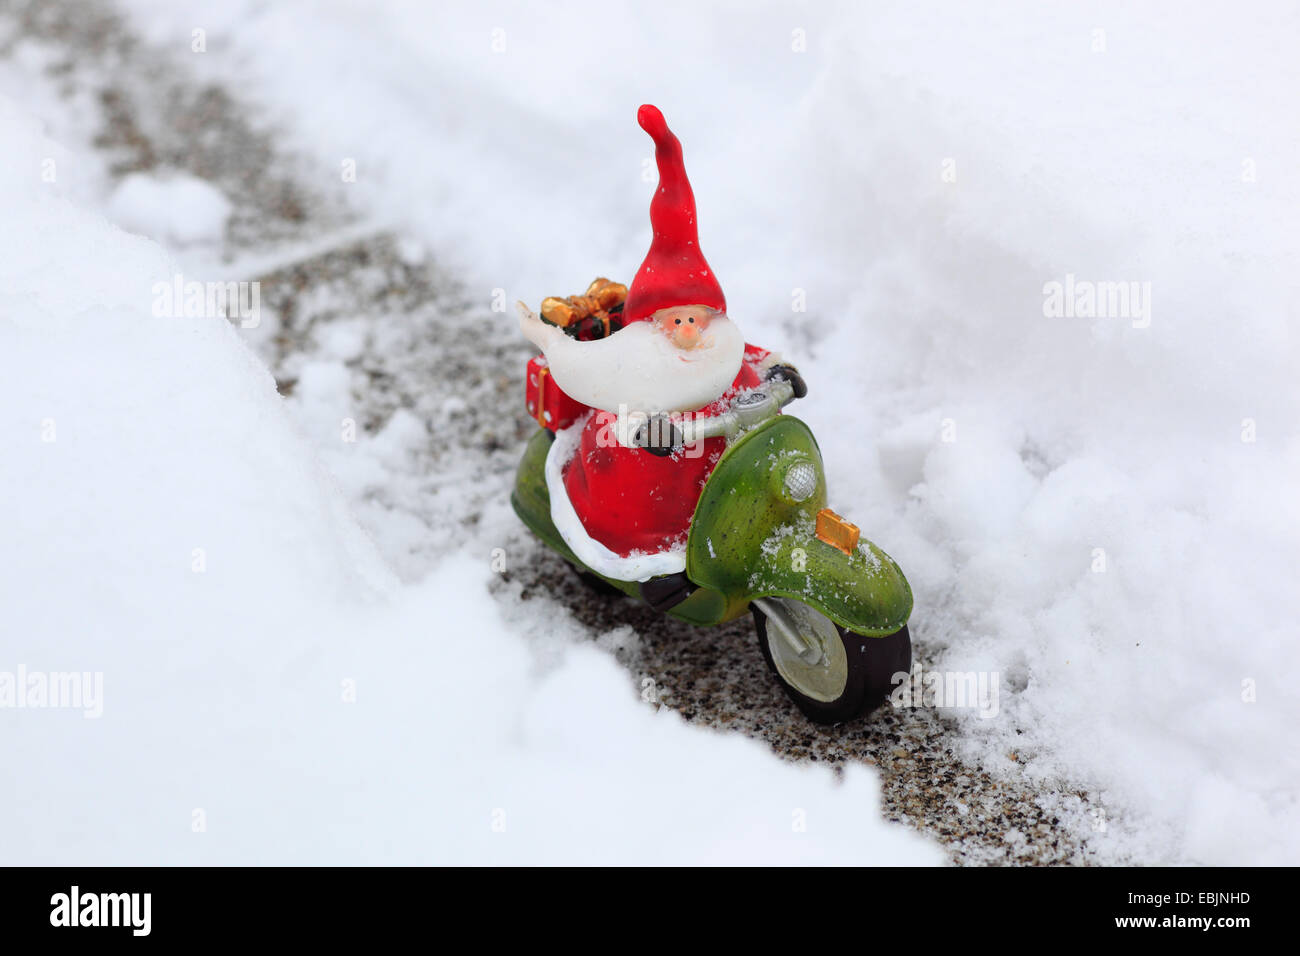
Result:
x=664 y=466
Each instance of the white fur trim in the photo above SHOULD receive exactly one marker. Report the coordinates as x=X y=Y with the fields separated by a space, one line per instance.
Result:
x=637 y=567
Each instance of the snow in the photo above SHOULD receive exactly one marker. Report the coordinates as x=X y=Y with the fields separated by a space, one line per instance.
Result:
x=173 y=208
x=919 y=176
x=270 y=692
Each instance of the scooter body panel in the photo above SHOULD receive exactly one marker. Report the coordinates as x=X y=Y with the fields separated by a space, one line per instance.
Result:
x=751 y=538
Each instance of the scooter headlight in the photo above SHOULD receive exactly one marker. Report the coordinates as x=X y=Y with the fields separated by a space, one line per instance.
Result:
x=800 y=481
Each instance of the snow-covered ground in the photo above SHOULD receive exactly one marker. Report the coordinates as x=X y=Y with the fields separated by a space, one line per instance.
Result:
x=1098 y=509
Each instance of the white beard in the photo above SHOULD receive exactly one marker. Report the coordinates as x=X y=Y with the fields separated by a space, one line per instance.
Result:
x=637 y=369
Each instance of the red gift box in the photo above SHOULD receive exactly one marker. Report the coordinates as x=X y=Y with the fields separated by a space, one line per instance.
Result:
x=546 y=402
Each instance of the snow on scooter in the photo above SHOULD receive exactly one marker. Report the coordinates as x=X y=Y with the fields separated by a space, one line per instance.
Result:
x=664 y=466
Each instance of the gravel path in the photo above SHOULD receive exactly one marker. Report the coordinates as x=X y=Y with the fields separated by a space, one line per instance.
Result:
x=423 y=338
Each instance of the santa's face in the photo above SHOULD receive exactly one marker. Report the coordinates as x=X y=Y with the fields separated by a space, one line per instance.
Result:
x=680 y=360
x=684 y=325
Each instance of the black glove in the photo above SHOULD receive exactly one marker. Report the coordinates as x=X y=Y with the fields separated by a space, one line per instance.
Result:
x=659 y=436
x=788 y=373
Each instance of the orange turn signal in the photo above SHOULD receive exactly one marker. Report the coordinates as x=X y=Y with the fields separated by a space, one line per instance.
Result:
x=836 y=532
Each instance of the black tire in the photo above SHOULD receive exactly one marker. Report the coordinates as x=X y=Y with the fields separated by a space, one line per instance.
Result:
x=872 y=664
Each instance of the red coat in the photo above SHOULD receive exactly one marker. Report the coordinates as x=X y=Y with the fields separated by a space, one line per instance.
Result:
x=630 y=500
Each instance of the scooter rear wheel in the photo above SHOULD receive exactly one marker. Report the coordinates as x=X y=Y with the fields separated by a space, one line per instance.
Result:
x=830 y=673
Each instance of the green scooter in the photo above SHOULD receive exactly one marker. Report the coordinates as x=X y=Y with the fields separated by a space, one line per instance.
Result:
x=830 y=609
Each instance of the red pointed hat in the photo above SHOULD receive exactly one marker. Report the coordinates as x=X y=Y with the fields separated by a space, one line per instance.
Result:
x=674 y=271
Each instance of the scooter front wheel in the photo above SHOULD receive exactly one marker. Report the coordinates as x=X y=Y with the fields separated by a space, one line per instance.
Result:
x=830 y=673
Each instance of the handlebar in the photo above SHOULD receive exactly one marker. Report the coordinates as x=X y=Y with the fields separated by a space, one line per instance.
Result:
x=748 y=409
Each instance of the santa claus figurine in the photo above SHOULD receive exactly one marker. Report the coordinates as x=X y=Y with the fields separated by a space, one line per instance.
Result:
x=623 y=494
